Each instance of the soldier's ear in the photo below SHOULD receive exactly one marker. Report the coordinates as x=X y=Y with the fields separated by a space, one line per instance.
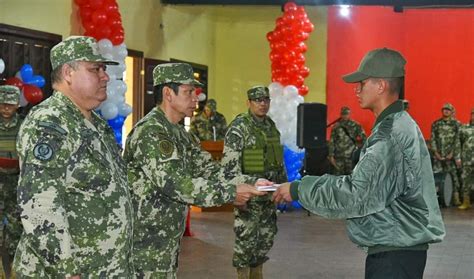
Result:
x=66 y=72
x=167 y=93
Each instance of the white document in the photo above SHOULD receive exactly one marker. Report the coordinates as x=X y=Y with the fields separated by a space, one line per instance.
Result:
x=269 y=188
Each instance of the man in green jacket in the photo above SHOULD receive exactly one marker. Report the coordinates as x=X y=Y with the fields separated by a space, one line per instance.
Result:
x=389 y=201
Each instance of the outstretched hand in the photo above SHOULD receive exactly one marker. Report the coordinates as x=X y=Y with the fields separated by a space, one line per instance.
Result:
x=282 y=194
x=245 y=192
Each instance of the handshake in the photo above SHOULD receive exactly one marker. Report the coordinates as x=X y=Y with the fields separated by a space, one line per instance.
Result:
x=262 y=187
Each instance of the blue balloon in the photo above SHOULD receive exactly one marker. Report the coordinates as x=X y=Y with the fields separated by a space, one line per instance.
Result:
x=26 y=72
x=37 y=81
x=118 y=136
x=296 y=204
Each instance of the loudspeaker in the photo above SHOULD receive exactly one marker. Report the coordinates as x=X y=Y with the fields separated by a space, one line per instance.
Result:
x=311 y=125
x=315 y=161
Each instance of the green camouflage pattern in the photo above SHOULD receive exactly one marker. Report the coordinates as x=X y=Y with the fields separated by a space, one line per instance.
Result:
x=258 y=92
x=77 y=48
x=9 y=94
x=255 y=228
x=174 y=72
x=445 y=141
x=9 y=211
x=168 y=171
x=342 y=144
x=203 y=127
x=73 y=194
x=467 y=156
x=211 y=104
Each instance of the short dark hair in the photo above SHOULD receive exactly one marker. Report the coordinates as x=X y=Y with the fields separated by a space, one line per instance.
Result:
x=56 y=73
x=397 y=86
x=158 y=91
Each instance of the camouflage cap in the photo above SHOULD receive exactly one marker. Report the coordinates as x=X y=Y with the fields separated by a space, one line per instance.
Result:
x=9 y=94
x=448 y=106
x=345 y=110
x=378 y=63
x=77 y=48
x=174 y=72
x=258 y=92
x=211 y=104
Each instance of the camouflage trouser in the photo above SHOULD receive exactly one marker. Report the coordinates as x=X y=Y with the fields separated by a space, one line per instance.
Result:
x=255 y=229
x=156 y=275
x=344 y=166
x=467 y=179
x=448 y=167
x=10 y=214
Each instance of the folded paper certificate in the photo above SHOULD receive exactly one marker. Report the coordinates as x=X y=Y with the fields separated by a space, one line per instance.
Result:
x=269 y=188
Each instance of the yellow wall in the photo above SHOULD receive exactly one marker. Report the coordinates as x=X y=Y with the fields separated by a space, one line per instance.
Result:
x=230 y=40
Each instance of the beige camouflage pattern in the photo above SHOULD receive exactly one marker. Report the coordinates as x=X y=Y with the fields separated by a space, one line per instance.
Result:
x=211 y=104
x=258 y=92
x=344 y=138
x=255 y=228
x=9 y=94
x=345 y=110
x=445 y=141
x=73 y=194
x=467 y=157
x=77 y=48
x=203 y=127
x=174 y=72
x=448 y=106
x=168 y=171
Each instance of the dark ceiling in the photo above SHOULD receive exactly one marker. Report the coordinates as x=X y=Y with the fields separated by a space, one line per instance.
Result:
x=397 y=3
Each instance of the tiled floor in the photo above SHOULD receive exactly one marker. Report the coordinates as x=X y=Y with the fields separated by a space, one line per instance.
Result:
x=312 y=247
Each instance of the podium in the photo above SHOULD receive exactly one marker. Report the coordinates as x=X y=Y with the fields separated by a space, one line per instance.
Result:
x=215 y=148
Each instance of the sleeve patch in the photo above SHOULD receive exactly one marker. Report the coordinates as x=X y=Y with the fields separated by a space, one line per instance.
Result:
x=43 y=151
x=166 y=147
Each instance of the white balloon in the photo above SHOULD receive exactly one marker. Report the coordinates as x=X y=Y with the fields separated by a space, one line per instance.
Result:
x=121 y=87
x=120 y=52
x=124 y=109
x=201 y=97
x=108 y=56
x=275 y=86
x=2 y=65
x=109 y=110
x=290 y=90
x=105 y=46
x=18 y=75
x=23 y=101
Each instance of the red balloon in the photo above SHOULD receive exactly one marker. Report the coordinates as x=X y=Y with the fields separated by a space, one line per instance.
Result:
x=117 y=38
x=280 y=22
x=15 y=82
x=89 y=26
x=103 y=32
x=308 y=27
x=32 y=94
x=303 y=90
x=113 y=23
x=270 y=36
x=95 y=4
x=198 y=91
x=290 y=6
x=110 y=6
x=114 y=15
x=302 y=47
x=304 y=71
x=85 y=13
x=99 y=17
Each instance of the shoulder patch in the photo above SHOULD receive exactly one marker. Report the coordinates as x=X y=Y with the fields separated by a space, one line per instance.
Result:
x=53 y=127
x=166 y=147
x=43 y=151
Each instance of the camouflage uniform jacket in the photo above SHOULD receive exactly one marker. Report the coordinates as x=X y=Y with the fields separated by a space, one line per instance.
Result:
x=467 y=144
x=201 y=126
x=8 y=133
x=445 y=137
x=243 y=133
x=74 y=196
x=168 y=171
x=342 y=143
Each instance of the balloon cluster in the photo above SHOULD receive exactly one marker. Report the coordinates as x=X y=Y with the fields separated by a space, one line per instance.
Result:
x=29 y=85
x=101 y=19
x=2 y=66
x=288 y=47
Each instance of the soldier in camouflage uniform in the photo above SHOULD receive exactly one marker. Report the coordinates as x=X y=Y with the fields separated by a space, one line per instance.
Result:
x=446 y=148
x=10 y=223
x=252 y=146
x=168 y=171
x=73 y=191
x=467 y=160
x=346 y=136
x=209 y=124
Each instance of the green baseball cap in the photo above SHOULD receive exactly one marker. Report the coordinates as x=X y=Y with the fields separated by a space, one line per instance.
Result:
x=77 y=48
x=258 y=92
x=174 y=72
x=448 y=106
x=9 y=94
x=345 y=110
x=211 y=104
x=378 y=63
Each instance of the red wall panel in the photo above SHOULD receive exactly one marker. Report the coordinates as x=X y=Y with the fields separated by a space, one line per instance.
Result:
x=437 y=43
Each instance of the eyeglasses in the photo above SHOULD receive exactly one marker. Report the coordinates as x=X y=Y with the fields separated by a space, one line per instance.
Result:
x=360 y=86
x=263 y=100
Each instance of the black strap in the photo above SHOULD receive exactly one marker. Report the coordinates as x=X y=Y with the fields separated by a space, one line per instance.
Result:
x=347 y=133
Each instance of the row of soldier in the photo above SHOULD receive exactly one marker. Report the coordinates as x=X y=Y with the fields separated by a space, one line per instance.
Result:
x=87 y=211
